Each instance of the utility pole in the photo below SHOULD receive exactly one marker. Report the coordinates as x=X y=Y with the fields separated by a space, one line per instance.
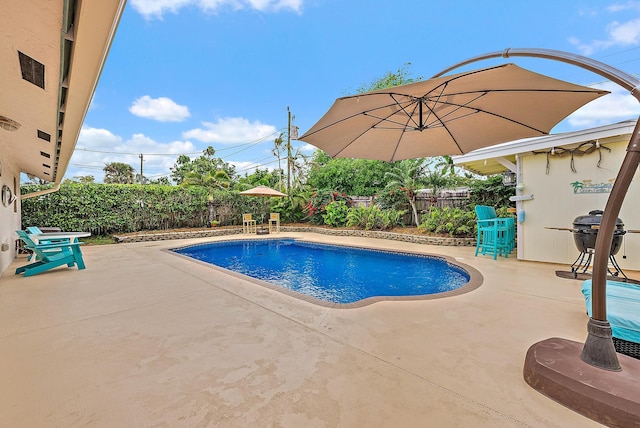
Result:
x=141 y=175
x=288 y=150
x=292 y=133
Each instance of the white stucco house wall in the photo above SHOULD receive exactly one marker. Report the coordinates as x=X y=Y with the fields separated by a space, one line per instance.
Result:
x=51 y=56
x=561 y=177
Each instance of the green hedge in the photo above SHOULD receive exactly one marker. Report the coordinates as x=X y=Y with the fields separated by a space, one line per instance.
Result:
x=104 y=209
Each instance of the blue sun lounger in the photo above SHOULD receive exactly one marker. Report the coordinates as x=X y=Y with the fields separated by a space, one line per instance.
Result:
x=623 y=313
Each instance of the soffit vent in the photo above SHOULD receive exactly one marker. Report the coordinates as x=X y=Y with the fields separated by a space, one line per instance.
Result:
x=8 y=124
x=44 y=136
x=32 y=70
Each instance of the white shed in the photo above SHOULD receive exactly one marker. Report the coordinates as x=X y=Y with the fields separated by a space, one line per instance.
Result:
x=560 y=177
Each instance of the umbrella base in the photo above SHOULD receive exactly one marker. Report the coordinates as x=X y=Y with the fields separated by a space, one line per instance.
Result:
x=554 y=368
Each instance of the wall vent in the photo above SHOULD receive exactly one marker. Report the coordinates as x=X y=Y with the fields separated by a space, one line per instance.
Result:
x=46 y=155
x=44 y=136
x=46 y=166
x=32 y=70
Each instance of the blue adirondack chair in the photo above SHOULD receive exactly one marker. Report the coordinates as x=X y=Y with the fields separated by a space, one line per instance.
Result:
x=496 y=236
x=50 y=255
x=34 y=230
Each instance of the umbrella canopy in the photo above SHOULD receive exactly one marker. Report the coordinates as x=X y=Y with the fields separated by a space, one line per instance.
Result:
x=262 y=191
x=447 y=115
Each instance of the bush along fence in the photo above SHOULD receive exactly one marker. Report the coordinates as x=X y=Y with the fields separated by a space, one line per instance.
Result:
x=121 y=208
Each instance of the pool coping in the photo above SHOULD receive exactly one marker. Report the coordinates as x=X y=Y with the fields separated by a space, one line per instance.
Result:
x=475 y=277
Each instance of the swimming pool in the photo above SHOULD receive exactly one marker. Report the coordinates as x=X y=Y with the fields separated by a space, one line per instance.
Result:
x=332 y=273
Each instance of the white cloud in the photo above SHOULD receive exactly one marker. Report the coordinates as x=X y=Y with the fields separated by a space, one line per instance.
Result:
x=97 y=147
x=308 y=148
x=617 y=106
x=161 y=109
x=623 y=34
x=231 y=130
x=157 y=8
x=620 y=7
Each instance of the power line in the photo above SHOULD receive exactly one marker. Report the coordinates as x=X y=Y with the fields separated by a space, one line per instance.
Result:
x=249 y=143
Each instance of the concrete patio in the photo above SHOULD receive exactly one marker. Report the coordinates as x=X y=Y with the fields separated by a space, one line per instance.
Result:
x=143 y=337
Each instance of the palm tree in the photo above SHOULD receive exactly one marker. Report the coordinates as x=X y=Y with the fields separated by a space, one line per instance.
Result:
x=118 y=173
x=408 y=177
x=446 y=163
x=299 y=169
x=278 y=150
x=213 y=180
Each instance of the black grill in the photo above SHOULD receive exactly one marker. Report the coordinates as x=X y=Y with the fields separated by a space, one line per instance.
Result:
x=585 y=233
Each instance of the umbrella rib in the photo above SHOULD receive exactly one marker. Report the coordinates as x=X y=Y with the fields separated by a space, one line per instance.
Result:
x=442 y=119
x=366 y=113
x=409 y=119
x=382 y=119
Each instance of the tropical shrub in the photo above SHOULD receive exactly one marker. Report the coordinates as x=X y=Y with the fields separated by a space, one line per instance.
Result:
x=490 y=192
x=336 y=213
x=292 y=208
x=317 y=205
x=451 y=221
x=374 y=218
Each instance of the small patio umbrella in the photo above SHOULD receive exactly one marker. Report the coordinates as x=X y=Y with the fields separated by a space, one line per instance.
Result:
x=262 y=191
x=447 y=115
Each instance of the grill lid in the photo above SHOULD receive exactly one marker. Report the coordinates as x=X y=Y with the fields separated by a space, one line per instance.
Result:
x=593 y=219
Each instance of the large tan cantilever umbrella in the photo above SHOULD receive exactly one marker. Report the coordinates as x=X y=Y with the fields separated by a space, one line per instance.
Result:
x=459 y=113
x=447 y=115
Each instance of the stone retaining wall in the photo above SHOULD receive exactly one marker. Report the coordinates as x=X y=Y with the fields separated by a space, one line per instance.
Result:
x=205 y=233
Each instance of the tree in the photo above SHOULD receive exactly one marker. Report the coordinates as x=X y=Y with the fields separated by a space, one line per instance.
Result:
x=163 y=181
x=446 y=164
x=86 y=179
x=355 y=177
x=490 y=191
x=213 y=180
x=202 y=165
x=260 y=177
x=298 y=168
x=278 y=150
x=407 y=176
x=118 y=173
x=389 y=80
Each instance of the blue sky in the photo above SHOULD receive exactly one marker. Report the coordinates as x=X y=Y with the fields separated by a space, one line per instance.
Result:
x=182 y=75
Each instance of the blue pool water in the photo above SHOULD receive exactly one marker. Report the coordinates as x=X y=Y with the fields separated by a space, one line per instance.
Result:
x=330 y=272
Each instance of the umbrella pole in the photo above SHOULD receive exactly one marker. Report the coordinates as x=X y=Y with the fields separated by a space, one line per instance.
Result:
x=592 y=382
x=598 y=350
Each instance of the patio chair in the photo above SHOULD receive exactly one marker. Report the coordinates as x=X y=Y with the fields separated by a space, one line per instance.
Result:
x=34 y=230
x=49 y=256
x=249 y=225
x=496 y=236
x=274 y=222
